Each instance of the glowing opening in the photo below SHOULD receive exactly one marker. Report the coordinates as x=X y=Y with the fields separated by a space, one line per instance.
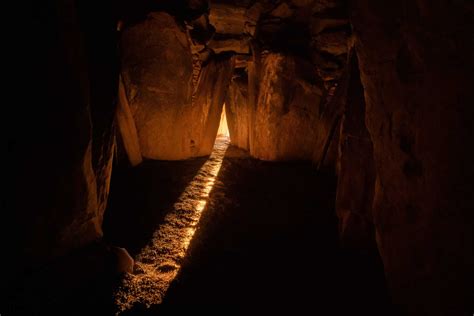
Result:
x=157 y=265
x=223 y=130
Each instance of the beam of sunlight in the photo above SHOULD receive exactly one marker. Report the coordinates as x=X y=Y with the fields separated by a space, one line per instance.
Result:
x=159 y=262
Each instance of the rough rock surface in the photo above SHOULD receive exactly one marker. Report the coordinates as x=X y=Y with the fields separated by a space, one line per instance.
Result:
x=329 y=123
x=238 y=112
x=157 y=72
x=402 y=132
x=125 y=263
x=418 y=90
x=63 y=153
x=330 y=39
x=356 y=170
x=287 y=110
x=238 y=45
x=228 y=18
x=171 y=122
x=127 y=128
x=207 y=108
x=334 y=43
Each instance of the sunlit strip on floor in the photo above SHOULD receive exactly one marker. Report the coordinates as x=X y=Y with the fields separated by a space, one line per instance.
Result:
x=158 y=263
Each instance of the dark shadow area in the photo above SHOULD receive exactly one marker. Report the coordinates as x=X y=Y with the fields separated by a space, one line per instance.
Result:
x=268 y=241
x=141 y=197
x=83 y=281
x=79 y=283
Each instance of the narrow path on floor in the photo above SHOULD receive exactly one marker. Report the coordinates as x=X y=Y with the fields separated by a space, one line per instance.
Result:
x=237 y=231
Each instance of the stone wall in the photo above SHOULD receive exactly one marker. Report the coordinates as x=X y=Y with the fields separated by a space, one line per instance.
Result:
x=62 y=155
x=418 y=90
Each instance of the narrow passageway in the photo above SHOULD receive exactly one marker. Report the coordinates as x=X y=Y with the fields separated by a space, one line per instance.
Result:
x=242 y=232
x=342 y=184
x=157 y=264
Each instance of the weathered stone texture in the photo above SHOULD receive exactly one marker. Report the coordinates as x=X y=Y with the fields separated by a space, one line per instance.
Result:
x=418 y=91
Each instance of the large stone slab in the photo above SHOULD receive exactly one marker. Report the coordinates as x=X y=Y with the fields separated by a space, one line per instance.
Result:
x=287 y=109
x=418 y=90
x=210 y=98
x=62 y=147
x=238 y=112
x=157 y=71
x=356 y=178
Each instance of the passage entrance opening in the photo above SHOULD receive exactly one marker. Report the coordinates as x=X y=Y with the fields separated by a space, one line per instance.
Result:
x=223 y=128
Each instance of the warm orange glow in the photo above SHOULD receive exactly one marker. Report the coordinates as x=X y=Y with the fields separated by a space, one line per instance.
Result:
x=223 y=129
x=160 y=261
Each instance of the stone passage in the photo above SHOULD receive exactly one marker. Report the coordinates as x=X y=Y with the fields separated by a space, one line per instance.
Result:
x=159 y=262
x=377 y=94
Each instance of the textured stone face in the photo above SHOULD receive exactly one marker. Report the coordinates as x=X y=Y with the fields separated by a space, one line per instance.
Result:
x=228 y=18
x=326 y=141
x=334 y=43
x=356 y=172
x=281 y=28
x=127 y=128
x=171 y=123
x=237 y=45
x=65 y=148
x=286 y=111
x=157 y=72
x=401 y=126
x=238 y=112
x=418 y=90
x=210 y=97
